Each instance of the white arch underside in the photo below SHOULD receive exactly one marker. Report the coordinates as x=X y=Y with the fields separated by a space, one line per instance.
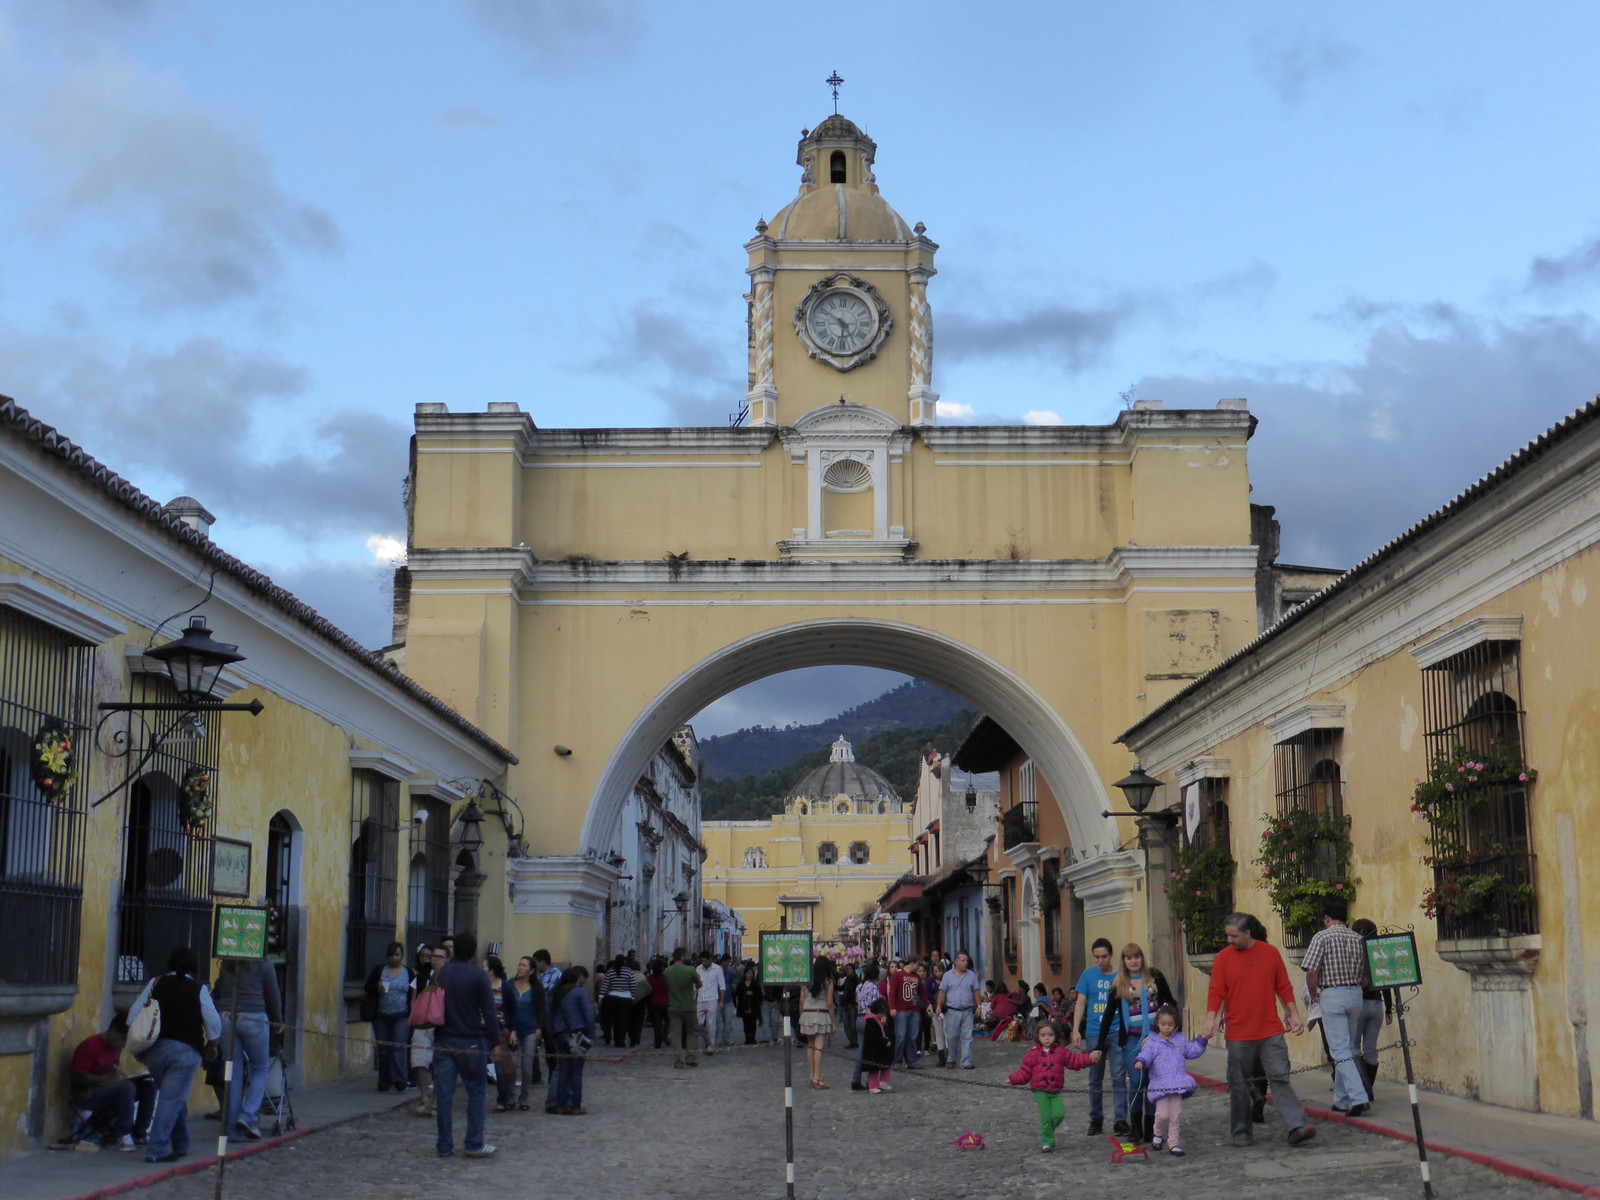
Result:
x=895 y=646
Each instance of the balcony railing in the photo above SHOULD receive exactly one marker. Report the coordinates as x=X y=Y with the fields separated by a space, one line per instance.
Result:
x=1494 y=898
x=1019 y=824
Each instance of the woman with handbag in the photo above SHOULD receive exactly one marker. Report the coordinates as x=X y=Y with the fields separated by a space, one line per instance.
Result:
x=427 y=1014
x=188 y=1021
x=571 y=1033
x=386 y=1006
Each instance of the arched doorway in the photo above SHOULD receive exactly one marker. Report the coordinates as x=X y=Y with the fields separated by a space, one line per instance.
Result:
x=896 y=646
x=285 y=931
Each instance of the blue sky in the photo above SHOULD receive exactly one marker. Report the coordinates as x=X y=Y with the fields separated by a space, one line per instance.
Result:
x=283 y=225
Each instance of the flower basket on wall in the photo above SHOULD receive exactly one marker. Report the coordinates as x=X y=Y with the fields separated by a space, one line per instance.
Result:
x=1476 y=880
x=55 y=763
x=194 y=800
x=1304 y=861
x=1200 y=893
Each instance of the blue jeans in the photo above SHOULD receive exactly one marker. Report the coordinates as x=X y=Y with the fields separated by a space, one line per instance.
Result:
x=566 y=1078
x=172 y=1065
x=958 y=1035
x=1097 y=1082
x=468 y=1059
x=1137 y=1102
x=1341 y=1023
x=906 y=1030
x=252 y=1044
x=391 y=1027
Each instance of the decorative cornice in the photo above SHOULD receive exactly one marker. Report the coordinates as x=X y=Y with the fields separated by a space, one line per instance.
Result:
x=1302 y=718
x=567 y=886
x=386 y=765
x=1105 y=883
x=1475 y=632
x=436 y=789
x=1206 y=766
x=77 y=621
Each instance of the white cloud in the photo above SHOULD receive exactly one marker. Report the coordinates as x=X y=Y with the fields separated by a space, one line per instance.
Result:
x=387 y=550
x=956 y=412
x=1041 y=416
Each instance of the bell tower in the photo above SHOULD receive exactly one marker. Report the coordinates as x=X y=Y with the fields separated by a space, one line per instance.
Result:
x=838 y=302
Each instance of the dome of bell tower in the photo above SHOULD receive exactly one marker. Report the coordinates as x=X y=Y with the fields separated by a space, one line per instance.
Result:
x=839 y=199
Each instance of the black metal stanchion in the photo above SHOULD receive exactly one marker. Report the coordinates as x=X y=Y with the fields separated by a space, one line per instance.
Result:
x=227 y=1082
x=1411 y=1085
x=788 y=1090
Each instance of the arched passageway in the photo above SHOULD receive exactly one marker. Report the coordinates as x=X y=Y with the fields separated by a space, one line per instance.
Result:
x=929 y=655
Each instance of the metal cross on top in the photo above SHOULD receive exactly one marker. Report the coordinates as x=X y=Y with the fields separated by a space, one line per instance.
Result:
x=834 y=81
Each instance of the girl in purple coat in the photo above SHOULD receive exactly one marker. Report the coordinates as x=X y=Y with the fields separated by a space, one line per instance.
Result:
x=1044 y=1069
x=1163 y=1056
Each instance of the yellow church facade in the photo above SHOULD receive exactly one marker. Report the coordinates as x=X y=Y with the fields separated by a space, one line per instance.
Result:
x=579 y=593
x=842 y=838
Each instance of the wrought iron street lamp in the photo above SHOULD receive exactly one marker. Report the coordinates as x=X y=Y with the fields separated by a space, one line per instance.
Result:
x=194 y=661
x=471 y=820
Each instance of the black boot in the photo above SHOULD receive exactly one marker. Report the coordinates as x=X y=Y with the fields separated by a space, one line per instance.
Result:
x=1149 y=1127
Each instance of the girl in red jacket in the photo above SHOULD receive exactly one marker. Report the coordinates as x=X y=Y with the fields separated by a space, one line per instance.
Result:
x=1044 y=1069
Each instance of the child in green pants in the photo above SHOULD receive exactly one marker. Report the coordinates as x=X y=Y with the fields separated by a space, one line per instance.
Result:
x=1044 y=1069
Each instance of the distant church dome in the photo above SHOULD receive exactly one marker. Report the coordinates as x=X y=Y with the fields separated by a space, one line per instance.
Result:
x=843 y=776
x=838 y=200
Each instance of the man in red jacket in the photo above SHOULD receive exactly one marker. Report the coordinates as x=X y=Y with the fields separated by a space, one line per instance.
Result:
x=905 y=1004
x=1247 y=981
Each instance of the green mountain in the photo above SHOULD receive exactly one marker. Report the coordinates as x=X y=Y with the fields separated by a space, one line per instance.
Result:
x=884 y=740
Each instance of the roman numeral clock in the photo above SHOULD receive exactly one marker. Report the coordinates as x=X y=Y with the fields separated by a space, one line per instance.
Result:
x=843 y=321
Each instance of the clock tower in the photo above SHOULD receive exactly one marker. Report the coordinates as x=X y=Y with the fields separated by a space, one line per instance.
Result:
x=838 y=300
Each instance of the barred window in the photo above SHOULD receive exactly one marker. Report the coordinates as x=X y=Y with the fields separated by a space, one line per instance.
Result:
x=1472 y=707
x=1050 y=905
x=860 y=853
x=44 y=692
x=428 y=881
x=374 y=850
x=1306 y=768
x=828 y=853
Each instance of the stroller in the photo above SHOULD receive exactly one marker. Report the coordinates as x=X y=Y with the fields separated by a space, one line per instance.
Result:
x=275 y=1103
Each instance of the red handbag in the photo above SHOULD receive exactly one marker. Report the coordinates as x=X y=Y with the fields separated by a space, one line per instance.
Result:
x=427 y=1010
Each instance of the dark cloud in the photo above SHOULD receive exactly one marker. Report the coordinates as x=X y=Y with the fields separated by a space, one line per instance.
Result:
x=1291 y=61
x=1581 y=265
x=202 y=220
x=1352 y=455
x=355 y=596
x=1069 y=336
x=561 y=36
x=671 y=355
x=140 y=413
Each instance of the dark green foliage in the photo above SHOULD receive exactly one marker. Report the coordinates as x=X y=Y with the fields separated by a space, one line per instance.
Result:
x=914 y=704
x=893 y=753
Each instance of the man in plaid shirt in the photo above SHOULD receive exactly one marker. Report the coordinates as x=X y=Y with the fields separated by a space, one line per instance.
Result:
x=1336 y=966
x=866 y=993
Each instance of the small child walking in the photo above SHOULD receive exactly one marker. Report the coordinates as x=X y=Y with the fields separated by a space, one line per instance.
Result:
x=1044 y=1069
x=877 y=1047
x=1163 y=1055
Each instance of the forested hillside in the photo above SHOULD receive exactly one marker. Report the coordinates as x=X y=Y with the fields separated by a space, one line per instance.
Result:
x=893 y=753
x=756 y=751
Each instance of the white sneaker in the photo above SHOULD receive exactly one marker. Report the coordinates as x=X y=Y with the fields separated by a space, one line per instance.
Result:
x=483 y=1151
x=874 y=1091
x=884 y=1087
x=126 y=1144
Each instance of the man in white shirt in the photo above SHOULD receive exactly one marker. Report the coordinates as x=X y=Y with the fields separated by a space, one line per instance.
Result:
x=708 y=1002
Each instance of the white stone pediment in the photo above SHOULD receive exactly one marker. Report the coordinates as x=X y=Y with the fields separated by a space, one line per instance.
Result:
x=850 y=419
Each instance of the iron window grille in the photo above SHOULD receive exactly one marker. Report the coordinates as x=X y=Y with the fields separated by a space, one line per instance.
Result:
x=45 y=677
x=371 y=920
x=1213 y=832
x=828 y=853
x=166 y=867
x=1308 y=778
x=428 y=884
x=1008 y=919
x=1472 y=701
x=860 y=853
x=1050 y=906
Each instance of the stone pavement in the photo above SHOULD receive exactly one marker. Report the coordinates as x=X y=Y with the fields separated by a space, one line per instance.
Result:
x=718 y=1131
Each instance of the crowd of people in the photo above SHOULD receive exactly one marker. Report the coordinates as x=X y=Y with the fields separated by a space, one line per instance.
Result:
x=449 y=1017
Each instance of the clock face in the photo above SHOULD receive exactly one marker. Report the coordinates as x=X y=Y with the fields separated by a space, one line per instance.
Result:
x=841 y=322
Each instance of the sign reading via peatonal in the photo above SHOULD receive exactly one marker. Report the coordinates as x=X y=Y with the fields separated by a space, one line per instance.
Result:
x=1392 y=960
x=241 y=932
x=785 y=956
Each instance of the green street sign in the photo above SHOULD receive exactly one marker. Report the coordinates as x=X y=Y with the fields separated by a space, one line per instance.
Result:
x=241 y=932
x=785 y=956
x=1392 y=960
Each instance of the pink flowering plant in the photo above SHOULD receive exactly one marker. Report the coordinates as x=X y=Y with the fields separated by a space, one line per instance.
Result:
x=1305 y=858
x=1200 y=893
x=1472 y=876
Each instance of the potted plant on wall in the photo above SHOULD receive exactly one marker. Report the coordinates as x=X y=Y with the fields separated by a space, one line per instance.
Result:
x=1480 y=885
x=1200 y=893
x=1305 y=859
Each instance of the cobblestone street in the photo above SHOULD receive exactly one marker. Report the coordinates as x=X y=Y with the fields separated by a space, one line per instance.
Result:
x=718 y=1131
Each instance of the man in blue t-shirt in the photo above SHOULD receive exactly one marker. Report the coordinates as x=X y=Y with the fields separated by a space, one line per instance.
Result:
x=1094 y=995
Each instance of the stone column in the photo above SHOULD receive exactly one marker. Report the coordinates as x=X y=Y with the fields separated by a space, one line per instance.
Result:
x=468 y=884
x=922 y=399
x=763 y=394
